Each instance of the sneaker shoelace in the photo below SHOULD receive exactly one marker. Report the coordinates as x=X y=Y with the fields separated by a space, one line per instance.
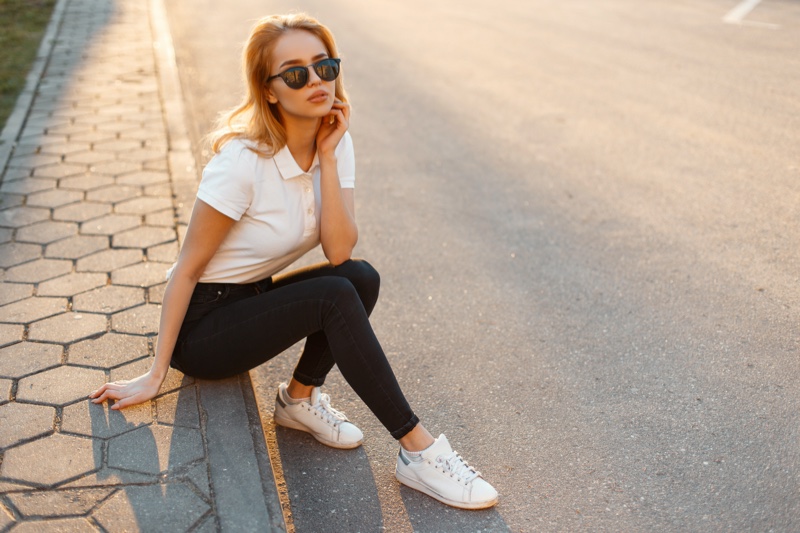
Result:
x=327 y=412
x=457 y=467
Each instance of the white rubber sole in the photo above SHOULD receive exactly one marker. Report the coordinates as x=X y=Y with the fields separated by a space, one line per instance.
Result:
x=416 y=485
x=291 y=424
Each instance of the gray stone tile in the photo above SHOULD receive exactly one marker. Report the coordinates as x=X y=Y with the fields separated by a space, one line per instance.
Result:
x=67 y=327
x=96 y=420
x=11 y=200
x=142 y=320
x=5 y=519
x=64 y=148
x=164 y=218
x=155 y=295
x=58 y=502
x=22 y=421
x=17 y=217
x=115 y=168
x=31 y=309
x=61 y=170
x=27 y=186
x=46 y=232
x=109 y=299
x=15 y=253
x=25 y=358
x=54 y=198
x=5 y=234
x=198 y=475
x=110 y=224
x=111 y=477
x=72 y=284
x=25 y=462
x=114 y=193
x=5 y=393
x=56 y=525
x=89 y=158
x=147 y=177
x=117 y=145
x=141 y=275
x=165 y=253
x=76 y=246
x=142 y=155
x=17 y=173
x=10 y=334
x=81 y=212
x=60 y=385
x=110 y=350
x=86 y=182
x=33 y=160
x=155 y=449
x=39 y=270
x=143 y=237
x=179 y=408
x=172 y=507
x=92 y=136
x=142 y=205
x=159 y=189
x=156 y=164
x=13 y=292
x=108 y=260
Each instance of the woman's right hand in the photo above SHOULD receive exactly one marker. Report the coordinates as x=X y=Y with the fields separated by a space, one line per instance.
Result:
x=128 y=392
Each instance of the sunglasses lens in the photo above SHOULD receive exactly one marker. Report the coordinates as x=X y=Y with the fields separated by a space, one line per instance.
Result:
x=295 y=77
x=327 y=69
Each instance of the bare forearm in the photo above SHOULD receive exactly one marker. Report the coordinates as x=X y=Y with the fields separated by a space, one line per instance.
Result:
x=338 y=230
x=173 y=309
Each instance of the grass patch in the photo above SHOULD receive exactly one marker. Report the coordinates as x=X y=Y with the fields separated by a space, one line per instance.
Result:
x=21 y=30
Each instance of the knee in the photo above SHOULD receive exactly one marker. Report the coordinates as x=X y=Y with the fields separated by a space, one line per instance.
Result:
x=362 y=275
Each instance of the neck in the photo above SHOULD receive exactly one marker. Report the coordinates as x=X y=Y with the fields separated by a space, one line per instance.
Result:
x=301 y=136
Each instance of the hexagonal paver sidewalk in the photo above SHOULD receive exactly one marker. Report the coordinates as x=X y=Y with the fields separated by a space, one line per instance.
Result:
x=87 y=232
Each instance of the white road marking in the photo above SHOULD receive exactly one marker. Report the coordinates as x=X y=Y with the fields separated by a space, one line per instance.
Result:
x=738 y=13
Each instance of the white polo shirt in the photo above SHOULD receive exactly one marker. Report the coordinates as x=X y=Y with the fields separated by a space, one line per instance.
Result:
x=275 y=204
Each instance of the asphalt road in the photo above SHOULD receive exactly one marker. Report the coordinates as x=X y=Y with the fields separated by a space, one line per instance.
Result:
x=586 y=219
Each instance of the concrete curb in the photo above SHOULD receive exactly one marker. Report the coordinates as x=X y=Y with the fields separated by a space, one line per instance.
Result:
x=16 y=120
x=232 y=418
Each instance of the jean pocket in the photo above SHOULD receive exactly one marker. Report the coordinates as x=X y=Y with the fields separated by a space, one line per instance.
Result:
x=203 y=298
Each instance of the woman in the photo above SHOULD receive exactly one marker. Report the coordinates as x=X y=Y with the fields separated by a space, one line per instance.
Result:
x=281 y=182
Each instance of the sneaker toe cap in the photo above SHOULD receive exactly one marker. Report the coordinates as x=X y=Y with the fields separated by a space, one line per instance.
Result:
x=350 y=433
x=482 y=491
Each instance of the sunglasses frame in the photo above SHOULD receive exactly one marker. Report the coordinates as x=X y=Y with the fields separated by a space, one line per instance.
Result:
x=281 y=75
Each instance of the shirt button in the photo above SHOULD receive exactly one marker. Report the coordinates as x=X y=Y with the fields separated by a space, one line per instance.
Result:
x=310 y=211
x=308 y=189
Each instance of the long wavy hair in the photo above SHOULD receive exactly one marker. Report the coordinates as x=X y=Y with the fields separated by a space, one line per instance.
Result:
x=255 y=118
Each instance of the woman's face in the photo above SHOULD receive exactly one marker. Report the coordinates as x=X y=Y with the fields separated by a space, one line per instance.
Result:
x=299 y=48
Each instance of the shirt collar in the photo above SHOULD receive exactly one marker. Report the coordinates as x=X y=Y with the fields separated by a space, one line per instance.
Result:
x=288 y=167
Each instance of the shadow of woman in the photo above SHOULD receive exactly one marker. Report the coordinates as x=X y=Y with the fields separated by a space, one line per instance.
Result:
x=158 y=465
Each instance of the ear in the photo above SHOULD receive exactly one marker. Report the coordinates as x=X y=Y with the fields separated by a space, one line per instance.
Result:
x=271 y=98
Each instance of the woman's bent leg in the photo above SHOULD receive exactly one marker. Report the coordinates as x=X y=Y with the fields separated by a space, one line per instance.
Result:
x=317 y=359
x=246 y=333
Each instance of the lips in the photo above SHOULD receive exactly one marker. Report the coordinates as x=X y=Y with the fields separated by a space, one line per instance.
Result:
x=318 y=97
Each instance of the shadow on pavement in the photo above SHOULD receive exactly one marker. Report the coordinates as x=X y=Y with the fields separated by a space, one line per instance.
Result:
x=330 y=489
x=429 y=515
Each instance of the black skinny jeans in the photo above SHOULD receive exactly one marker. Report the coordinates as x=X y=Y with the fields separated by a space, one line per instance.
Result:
x=231 y=328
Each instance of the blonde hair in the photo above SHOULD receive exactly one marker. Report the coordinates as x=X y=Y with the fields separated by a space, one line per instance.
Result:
x=255 y=118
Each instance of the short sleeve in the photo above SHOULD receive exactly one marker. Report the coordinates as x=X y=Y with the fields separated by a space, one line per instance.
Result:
x=227 y=182
x=346 y=162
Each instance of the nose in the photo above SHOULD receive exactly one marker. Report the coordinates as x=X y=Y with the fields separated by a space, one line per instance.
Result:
x=313 y=79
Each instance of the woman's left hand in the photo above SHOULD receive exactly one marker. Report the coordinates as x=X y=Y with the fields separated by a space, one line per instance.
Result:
x=333 y=127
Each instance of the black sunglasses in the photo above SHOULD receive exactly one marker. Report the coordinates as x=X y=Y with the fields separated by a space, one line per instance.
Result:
x=297 y=77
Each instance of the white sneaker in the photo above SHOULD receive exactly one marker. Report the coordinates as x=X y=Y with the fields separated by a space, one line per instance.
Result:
x=318 y=417
x=440 y=472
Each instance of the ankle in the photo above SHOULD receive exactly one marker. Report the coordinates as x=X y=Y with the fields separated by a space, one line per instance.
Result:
x=297 y=391
x=417 y=440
